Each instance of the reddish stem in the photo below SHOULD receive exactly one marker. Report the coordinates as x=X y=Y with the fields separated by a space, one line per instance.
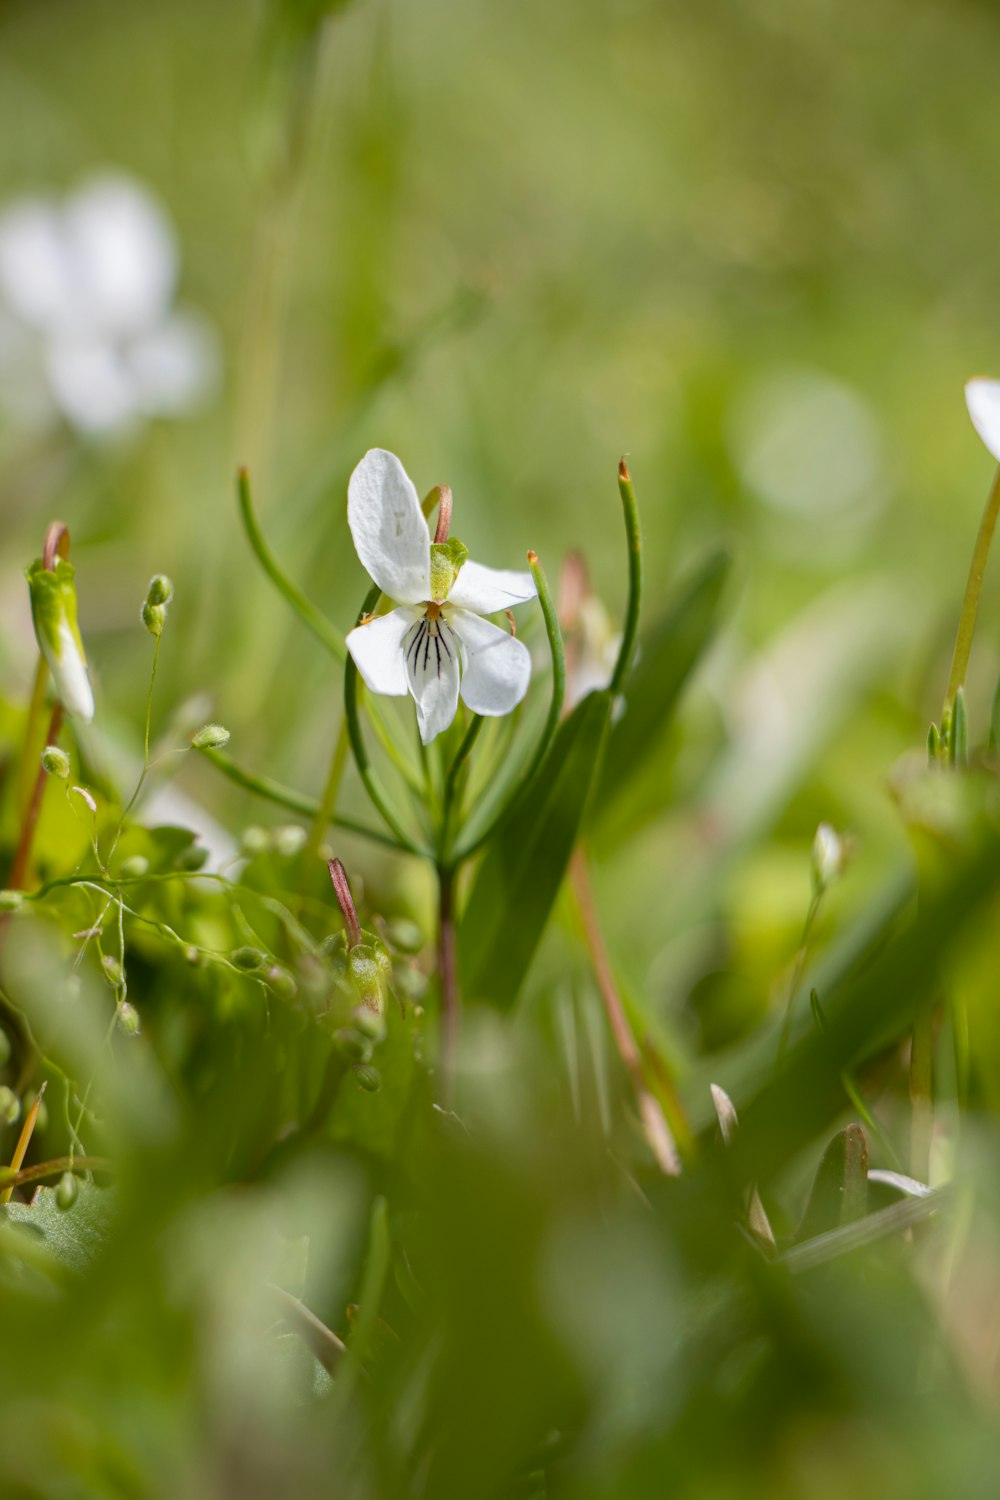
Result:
x=345 y=900
x=444 y=513
x=22 y=859
x=56 y=544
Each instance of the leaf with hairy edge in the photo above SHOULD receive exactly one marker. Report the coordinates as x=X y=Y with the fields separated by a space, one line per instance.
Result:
x=519 y=878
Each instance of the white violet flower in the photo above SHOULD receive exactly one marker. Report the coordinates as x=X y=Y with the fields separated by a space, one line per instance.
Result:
x=435 y=644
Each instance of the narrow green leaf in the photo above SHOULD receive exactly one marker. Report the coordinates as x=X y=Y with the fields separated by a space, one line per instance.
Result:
x=519 y=878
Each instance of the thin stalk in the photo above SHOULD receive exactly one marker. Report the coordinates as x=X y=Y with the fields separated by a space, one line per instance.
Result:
x=56 y=1167
x=973 y=590
x=22 y=859
x=32 y=736
x=365 y=769
x=328 y=801
x=796 y=979
x=922 y=1089
x=23 y=1142
x=634 y=534
x=450 y=803
x=296 y=802
x=448 y=976
x=654 y=1124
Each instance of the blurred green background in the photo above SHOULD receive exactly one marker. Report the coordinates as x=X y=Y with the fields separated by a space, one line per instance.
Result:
x=754 y=246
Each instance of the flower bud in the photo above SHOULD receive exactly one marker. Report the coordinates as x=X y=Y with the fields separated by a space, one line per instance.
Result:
x=211 y=737
x=154 y=617
x=11 y=900
x=827 y=857
x=55 y=762
x=113 y=971
x=369 y=1078
x=127 y=1019
x=135 y=867
x=370 y=972
x=250 y=960
x=161 y=590
x=53 y=613
x=10 y=1106
x=67 y=1192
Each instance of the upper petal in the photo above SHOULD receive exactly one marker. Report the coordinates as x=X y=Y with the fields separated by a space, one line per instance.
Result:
x=431 y=654
x=497 y=665
x=377 y=648
x=982 y=397
x=388 y=527
x=487 y=590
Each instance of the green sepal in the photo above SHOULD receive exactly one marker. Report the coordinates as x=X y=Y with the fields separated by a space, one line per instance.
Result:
x=53 y=603
x=960 y=731
x=447 y=559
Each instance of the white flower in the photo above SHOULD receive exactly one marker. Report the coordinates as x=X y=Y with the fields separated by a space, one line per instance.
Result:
x=89 y=286
x=435 y=645
x=827 y=856
x=982 y=397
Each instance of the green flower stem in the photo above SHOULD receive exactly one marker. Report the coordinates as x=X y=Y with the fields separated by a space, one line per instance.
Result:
x=33 y=743
x=297 y=802
x=328 y=801
x=922 y=1089
x=632 y=530
x=365 y=769
x=325 y=632
x=973 y=590
x=451 y=785
x=558 y=654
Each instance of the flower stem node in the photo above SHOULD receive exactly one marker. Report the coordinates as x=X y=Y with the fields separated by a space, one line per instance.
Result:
x=55 y=762
x=53 y=613
x=67 y=1192
x=10 y=1106
x=827 y=857
x=127 y=1019
x=436 y=645
x=161 y=590
x=211 y=737
x=154 y=617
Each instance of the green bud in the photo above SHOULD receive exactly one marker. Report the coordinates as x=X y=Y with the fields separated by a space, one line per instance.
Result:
x=135 y=867
x=250 y=960
x=446 y=560
x=67 y=1192
x=933 y=745
x=53 y=613
x=368 y=1023
x=127 y=1019
x=289 y=840
x=55 y=762
x=369 y=1078
x=367 y=967
x=154 y=617
x=192 y=858
x=405 y=936
x=211 y=737
x=255 y=841
x=960 y=731
x=160 y=591
x=352 y=1045
x=10 y=1106
x=827 y=857
x=113 y=971
x=11 y=900
x=4 y=1048
x=192 y=955
x=281 y=982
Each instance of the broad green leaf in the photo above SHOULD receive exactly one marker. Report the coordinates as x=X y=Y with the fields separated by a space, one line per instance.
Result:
x=519 y=878
x=75 y=1236
x=667 y=656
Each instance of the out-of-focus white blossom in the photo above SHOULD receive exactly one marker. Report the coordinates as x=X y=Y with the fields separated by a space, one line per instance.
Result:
x=88 y=328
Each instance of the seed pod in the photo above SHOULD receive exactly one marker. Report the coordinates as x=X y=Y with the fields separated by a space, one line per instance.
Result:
x=55 y=762
x=281 y=982
x=369 y=1078
x=154 y=617
x=113 y=971
x=211 y=737
x=160 y=591
x=250 y=960
x=127 y=1019
x=67 y=1192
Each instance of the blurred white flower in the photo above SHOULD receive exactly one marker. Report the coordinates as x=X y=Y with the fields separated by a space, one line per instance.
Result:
x=592 y=641
x=88 y=328
x=982 y=397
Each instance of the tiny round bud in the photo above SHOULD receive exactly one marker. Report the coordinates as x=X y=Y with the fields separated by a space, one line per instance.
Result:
x=403 y=935
x=10 y=1106
x=289 y=840
x=161 y=590
x=192 y=858
x=4 y=1048
x=827 y=856
x=154 y=617
x=211 y=737
x=369 y=1078
x=55 y=762
x=135 y=867
x=11 y=900
x=250 y=960
x=255 y=841
x=281 y=982
x=113 y=971
x=127 y=1019
x=192 y=955
x=352 y=1044
x=67 y=1191
x=368 y=1022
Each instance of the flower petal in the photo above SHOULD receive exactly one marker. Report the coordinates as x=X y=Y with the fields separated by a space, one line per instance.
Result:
x=388 y=527
x=982 y=397
x=377 y=648
x=487 y=590
x=497 y=665
x=431 y=652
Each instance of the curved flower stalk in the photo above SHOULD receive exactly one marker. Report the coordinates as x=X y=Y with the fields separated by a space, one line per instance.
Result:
x=436 y=644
